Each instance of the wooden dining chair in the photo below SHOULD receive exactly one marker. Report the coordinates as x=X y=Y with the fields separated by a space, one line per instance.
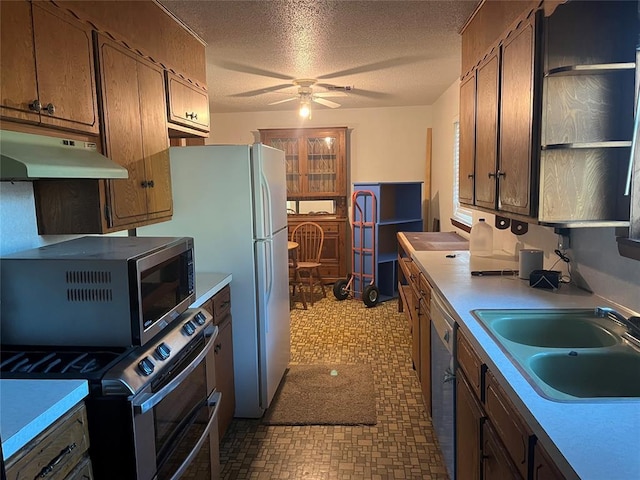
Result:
x=310 y=237
x=294 y=276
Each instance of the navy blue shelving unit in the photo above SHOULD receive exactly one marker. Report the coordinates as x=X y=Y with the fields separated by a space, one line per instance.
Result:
x=398 y=209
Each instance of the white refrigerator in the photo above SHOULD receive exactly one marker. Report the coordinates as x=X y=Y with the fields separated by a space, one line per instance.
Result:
x=232 y=200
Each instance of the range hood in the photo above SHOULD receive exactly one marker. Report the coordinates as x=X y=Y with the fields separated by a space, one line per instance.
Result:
x=24 y=156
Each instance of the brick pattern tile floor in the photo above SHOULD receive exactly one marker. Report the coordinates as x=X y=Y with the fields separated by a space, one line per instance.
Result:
x=402 y=445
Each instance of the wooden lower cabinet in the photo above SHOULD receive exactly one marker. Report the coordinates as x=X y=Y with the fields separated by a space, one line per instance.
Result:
x=220 y=307
x=224 y=374
x=424 y=322
x=496 y=463
x=493 y=442
x=60 y=452
x=469 y=418
x=334 y=250
x=543 y=466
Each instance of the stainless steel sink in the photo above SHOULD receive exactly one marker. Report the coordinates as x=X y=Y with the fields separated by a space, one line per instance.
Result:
x=567 y=354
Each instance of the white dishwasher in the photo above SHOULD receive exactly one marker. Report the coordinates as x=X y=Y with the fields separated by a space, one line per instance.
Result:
x=443 y=380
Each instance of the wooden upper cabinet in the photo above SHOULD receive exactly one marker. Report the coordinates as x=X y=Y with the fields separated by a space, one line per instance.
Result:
x=467 y=139
x=315 y=158
x=47 y=68
x=135 y=136
x=518 y=91
x=188 y=105
x=487 y=95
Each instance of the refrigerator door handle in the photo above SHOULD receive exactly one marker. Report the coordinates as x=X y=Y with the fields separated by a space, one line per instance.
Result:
x=269 y=274
x=266 y=205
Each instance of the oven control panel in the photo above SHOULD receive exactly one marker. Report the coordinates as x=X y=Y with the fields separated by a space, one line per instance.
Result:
x=144 y=363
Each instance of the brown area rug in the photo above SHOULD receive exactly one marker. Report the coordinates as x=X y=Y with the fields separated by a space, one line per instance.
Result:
x=331 y=394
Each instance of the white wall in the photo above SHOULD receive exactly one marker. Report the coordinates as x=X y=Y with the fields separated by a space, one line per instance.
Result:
x=386 y=144
x=595 y=262
x=445 y=113
x=18 y=228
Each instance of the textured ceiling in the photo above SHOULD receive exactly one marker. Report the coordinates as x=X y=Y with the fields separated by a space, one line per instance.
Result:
x=393 y=53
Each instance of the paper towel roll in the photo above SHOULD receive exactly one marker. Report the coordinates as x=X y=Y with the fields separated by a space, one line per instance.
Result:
x=530 y=260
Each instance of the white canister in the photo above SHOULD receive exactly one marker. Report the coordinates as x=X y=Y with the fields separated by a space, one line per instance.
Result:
x=530 y=259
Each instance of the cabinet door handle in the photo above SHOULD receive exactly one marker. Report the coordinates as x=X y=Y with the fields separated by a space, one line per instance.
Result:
x=35 y=106
x=191 y=115
x=52 y=464
x=217 y=348
x=470 y=175
x=150 y=184
x=144 y=184
x=500 y=173
x=50 y=108
x=492 y=175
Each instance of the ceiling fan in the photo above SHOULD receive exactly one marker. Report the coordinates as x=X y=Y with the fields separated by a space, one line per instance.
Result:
x=306 y=95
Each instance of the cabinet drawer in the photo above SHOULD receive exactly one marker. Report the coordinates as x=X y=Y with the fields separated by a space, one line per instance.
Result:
x=329 y=271
x=330 y=228
x=188 y=105
x=404 y=265
x=221 y=304
x=507 y=422
x=57 y=451
x=470 y=363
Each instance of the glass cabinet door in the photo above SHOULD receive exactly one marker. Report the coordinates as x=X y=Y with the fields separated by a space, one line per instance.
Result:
x=322 y=164
x=316 y=160
x=291 y=150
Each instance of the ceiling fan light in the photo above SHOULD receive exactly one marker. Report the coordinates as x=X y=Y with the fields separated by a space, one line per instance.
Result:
x=305 y=110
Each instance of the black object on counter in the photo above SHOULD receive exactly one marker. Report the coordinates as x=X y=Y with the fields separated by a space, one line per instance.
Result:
x=484 y=273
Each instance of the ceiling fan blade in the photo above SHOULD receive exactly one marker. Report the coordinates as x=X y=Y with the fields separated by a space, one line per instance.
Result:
x=330 y=94
x=260 y=91
x=326 y=103
x=393 y=62
x=239 y=67
x=356 y=91
x=284 y=101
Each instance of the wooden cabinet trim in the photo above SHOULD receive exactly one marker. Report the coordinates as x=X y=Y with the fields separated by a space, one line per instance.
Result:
x=162 y=39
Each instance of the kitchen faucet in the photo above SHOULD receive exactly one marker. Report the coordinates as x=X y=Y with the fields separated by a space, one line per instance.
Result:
x=632 y=323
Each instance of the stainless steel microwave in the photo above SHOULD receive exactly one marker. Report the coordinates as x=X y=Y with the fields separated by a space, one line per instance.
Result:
x=95 y=291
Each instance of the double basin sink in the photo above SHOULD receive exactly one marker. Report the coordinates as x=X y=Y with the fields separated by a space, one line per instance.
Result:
x=568 y=354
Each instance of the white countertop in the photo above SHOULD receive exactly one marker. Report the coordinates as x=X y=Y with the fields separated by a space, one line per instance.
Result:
x=28 y=407
x=208 y=284
x=587 y=439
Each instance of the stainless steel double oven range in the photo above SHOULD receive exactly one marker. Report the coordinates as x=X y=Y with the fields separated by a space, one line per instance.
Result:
x=114 y=311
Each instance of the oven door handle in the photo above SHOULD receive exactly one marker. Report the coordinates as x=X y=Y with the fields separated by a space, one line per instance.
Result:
x=214 y=399
x=146 y=401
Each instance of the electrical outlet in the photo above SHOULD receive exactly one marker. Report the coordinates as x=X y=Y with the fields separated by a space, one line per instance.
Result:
x=564 y=241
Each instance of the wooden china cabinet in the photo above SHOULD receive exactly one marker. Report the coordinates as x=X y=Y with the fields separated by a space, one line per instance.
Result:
x=316 y=164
